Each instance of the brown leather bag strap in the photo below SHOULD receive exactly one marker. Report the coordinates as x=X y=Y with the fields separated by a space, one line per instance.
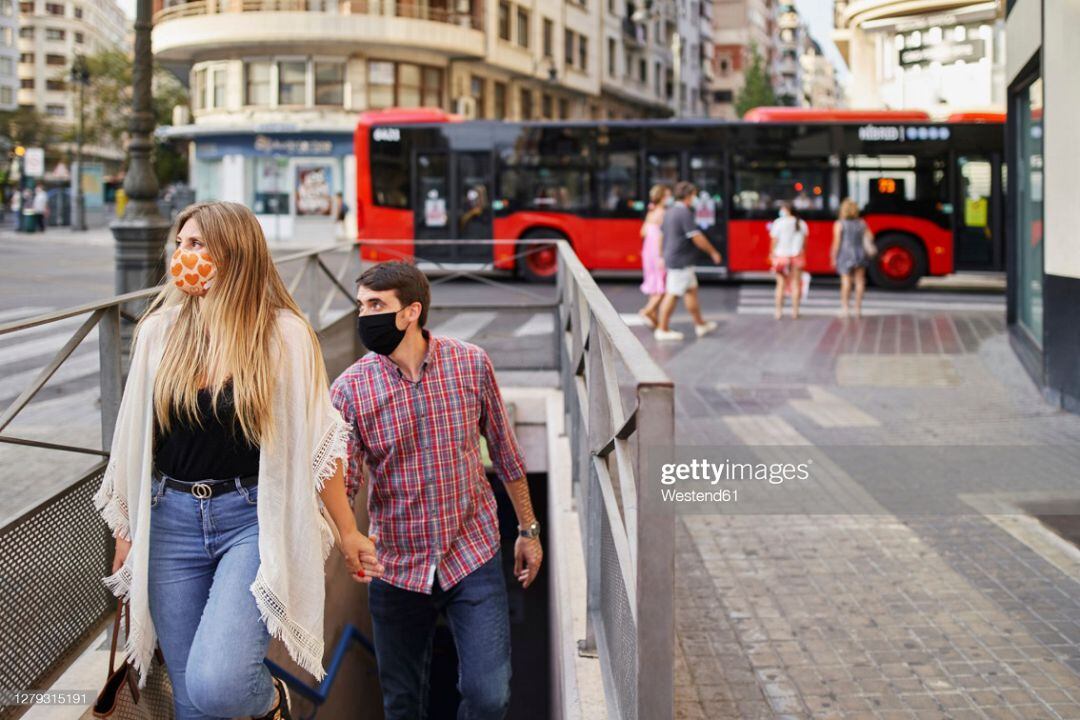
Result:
x=116 y=634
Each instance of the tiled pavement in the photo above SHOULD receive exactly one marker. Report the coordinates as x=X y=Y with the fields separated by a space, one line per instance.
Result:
x=869 y=615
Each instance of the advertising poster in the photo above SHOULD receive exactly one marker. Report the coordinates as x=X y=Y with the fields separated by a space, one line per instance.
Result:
x=313 y=196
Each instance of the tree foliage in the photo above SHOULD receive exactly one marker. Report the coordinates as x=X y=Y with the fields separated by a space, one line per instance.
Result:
x=757 y=89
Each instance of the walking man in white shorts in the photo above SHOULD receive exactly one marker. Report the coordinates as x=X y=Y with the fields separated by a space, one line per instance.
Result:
x=682 y=239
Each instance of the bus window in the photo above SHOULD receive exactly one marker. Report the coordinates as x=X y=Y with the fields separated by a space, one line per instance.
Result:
x=663 y=168
x=545 y=169
x=617 y=180
x=390 y=175
x=759 y=191
x=898 y=183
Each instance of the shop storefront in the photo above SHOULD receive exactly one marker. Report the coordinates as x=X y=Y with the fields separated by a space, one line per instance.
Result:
x=1043 y=213
x=290 y=180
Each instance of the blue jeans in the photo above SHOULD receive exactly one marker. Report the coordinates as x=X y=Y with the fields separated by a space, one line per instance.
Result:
x=404 y=625
x=203 y=558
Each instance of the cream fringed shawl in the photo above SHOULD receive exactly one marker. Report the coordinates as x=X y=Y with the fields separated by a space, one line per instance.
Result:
x=309 y=436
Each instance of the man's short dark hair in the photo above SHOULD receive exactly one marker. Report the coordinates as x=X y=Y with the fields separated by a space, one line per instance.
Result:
x=408 y=283
x=684 y=189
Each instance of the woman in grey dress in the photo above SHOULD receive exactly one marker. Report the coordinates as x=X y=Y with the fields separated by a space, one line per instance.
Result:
x=851 y=240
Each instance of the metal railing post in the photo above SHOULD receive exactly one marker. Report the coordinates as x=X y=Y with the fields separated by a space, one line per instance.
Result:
x=110 y=352
x=656 y=561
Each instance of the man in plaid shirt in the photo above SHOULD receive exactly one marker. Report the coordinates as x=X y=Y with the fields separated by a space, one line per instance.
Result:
x=418 y=404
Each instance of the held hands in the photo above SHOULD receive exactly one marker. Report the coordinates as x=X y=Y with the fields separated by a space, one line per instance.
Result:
x=528 y=554
x=358 y=550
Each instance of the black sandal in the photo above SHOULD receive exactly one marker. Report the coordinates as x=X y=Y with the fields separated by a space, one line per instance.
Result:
x=281 y=711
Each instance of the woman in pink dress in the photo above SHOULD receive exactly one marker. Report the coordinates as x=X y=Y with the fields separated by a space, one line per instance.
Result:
x=652 y=256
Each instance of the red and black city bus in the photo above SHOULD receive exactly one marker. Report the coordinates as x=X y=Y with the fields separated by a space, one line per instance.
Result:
x=930 y=191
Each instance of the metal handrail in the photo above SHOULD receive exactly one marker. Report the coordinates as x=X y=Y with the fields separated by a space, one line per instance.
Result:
x=630 y=595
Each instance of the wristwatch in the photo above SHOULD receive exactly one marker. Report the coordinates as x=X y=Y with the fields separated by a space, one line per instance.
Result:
x=531 y=531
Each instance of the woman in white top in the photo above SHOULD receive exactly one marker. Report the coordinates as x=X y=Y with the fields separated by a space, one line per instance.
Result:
x=786 y=257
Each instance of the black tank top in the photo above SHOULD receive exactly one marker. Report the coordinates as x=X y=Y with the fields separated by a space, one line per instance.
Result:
x=216 y=451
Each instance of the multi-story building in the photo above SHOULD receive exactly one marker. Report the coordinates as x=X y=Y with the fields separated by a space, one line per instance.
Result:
x=51 y=34
x=277 y=85
x=792 y=41
x=9 y=55
x=819 y=85
x=738 y=26
x=948 y=55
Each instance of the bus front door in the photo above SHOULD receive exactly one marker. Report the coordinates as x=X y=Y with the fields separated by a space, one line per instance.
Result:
x=978 y=244
x=453 y=202
x=473 y=216
x=431 y=220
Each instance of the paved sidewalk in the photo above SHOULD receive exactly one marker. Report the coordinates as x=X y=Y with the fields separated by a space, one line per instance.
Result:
x=870 y=615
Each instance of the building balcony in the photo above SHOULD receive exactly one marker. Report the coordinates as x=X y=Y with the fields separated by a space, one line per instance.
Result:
x=183 y=32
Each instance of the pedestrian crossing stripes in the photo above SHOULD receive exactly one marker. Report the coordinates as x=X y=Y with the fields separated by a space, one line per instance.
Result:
x=825 y=301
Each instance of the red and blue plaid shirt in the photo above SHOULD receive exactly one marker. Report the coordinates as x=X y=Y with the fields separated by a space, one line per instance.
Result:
x=429 y=500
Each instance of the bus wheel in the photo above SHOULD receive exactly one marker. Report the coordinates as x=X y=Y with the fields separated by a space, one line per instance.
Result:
x=539 y=261
x=899 y=263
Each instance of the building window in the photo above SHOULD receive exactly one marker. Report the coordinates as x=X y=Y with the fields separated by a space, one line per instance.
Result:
x=257 y=83
x=523 y=27
x=568 y=47
x=723 y=96
x=26 y=83
x=219 y=87
x=57 y=85
x=292 y=82
x=78 y=38
x=549 y=38
x=26 y=32
x=526 y=104
x=380 y=84
x=55 y=110
x=583 y=53
x=199 y=95
x=431 y=90
x=7 y=7
x=408 y=85
x=403 y=84
x=564 y=109
x=54 y=34
x=643 y=70
x=54 y=9
x=27 y=58
x=477 y=86
x=78 y=13
x=657 y=76
x=7 y=67
x=9 y=36
x=499 y=111
x=26 y=8
x=611 y=57
x=1027 y=108
x=7 y=95
x=55 y=60
x=504 y=20
x=546 y=107
x=329 y=83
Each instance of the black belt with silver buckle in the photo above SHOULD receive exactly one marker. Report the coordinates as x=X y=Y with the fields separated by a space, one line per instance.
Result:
x=204 y=489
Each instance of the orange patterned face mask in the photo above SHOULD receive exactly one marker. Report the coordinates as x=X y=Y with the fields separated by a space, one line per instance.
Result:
x=192 y=272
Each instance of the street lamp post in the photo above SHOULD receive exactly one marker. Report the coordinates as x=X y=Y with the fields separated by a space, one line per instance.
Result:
x=142 y=232
x=80 y=74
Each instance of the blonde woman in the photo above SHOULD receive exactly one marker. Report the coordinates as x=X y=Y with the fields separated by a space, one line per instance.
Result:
x=851 y=240
x=225 y=445
x=652 y=253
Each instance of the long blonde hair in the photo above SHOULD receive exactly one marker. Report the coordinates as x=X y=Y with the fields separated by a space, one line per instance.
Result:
x=228 y=333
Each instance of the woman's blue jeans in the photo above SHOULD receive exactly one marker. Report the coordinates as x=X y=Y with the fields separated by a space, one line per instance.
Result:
x=203 y=558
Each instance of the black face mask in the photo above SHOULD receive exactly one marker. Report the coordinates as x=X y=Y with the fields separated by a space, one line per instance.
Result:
x=379 y=332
